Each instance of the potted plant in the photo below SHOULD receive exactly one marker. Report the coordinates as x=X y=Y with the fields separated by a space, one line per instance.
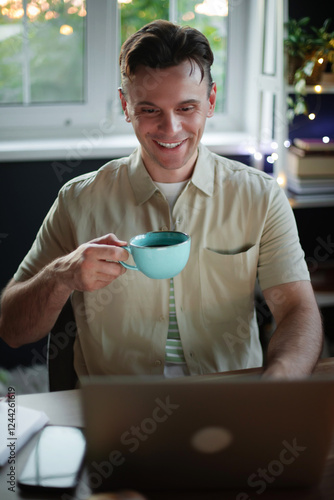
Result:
x=322 y=50
x=324 y=45
x=308 y=49
x=298 y=43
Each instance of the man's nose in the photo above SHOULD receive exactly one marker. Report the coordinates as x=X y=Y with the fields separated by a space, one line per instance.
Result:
x=170 y=124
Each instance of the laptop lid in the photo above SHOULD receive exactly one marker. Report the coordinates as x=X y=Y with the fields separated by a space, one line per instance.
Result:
x=206 y=432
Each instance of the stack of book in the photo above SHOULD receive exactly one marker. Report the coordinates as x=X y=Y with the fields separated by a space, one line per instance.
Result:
x=310 y=171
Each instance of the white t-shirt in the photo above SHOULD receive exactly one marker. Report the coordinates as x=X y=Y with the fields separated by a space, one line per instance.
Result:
x=172 y=191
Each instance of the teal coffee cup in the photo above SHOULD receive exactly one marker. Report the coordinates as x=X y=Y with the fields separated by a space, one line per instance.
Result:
x=159 y=254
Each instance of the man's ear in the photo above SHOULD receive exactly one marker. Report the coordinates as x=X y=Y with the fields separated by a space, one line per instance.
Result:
x=124 y=104
x=212 y=100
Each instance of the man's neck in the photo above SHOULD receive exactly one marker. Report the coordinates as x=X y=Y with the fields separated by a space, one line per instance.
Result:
x=159 y=173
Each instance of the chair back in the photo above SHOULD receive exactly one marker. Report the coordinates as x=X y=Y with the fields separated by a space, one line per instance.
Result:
x=62 y=375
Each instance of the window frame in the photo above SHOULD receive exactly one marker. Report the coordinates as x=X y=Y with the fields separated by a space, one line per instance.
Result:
x=101 y=111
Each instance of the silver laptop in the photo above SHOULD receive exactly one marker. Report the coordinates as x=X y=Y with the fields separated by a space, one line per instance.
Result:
x=207 y=432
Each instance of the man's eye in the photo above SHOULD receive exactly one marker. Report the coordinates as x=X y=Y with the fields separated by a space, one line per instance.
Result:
x=187 y=109
x=149 y=111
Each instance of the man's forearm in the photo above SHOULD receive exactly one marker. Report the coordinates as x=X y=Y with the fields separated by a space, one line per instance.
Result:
x=296 y=344
x=29 y=309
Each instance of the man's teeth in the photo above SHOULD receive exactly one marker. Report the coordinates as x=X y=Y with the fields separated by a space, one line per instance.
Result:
x=169 y=145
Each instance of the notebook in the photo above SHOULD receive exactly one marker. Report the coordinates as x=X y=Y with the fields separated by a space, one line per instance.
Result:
x=18 y=424
x=207 y=432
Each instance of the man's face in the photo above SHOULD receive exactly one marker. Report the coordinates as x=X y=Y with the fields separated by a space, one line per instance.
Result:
x=168 y=110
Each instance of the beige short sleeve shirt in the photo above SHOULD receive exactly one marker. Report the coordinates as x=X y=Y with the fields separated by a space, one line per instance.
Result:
x=242 y=228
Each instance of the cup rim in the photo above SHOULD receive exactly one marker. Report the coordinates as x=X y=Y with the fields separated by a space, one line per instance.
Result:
x=153 y=232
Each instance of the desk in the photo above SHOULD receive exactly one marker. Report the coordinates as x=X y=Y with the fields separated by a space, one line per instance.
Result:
x=64 y=408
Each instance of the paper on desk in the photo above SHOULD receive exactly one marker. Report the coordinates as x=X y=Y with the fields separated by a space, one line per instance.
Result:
x=17 y=426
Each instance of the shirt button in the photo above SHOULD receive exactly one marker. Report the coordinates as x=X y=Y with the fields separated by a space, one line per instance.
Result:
x=162 y=317
x=164 y=228
x=157 y=362
x=191 y=354
x=178 y=220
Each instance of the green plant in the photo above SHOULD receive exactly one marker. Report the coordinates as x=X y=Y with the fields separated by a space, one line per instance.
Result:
x=305 y=45
x=324 y=41
x=298 y=40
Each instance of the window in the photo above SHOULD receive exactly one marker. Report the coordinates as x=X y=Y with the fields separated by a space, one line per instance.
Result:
x=210 y=17
x=59 y=61
x=42 y=48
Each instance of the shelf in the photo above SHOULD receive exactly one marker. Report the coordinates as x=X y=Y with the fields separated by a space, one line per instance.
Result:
x=324 y=299
x=318 y=202
x=326 y=89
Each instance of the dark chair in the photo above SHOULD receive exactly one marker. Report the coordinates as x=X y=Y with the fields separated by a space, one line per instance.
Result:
x=61 y=371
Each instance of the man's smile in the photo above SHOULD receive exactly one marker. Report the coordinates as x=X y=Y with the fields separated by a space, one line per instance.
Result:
x=169 y=145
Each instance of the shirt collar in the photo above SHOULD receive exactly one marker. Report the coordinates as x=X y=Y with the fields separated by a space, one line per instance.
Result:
x=143 y=186
x=140 y=180
x=203 y=175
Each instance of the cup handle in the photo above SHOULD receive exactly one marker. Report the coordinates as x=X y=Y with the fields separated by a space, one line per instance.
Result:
x=126 y=247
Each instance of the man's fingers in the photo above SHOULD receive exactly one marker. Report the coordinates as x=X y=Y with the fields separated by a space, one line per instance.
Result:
x=109 y=270
x=105 y=252
x=109 y=239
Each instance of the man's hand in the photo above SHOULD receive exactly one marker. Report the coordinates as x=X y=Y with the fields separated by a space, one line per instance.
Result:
x=30 y=308
x=92 y=265
x=296 y=344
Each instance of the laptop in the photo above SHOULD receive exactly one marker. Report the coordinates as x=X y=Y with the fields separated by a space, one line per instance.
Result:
x=206 y=432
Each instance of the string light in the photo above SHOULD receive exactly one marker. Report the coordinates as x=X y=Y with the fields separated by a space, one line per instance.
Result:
x=281 y=180
x=65 y=29
x=188 y=16
x=287 y=143
x=311 y=116
x=318 y=88
x=212 y=8
x=320 y=60
x=258 y=155
x=325 y=139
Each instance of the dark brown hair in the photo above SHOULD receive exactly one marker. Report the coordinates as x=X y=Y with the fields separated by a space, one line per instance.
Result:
x=162 y=44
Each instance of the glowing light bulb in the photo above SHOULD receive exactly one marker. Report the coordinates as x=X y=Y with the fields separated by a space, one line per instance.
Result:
x=65 y=29
x=281 y=180
x=311 y=116
x=287 y=143
x=320 y=60
x=258 y=155
x=326 y=139
x=318 y=88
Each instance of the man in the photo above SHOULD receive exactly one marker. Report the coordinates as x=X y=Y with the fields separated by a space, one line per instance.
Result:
x=239 y=219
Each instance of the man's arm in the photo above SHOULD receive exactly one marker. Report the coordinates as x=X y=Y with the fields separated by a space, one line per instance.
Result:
x=29 y=309
x=296 y=344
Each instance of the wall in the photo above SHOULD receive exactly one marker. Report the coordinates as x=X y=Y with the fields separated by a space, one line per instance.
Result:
x=27 y=190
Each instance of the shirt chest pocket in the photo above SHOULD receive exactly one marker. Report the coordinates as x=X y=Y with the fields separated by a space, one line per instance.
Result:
x=227 y=283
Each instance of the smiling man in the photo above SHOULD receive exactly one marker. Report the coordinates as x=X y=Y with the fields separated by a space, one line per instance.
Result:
x=169 y=124
x=239 y=219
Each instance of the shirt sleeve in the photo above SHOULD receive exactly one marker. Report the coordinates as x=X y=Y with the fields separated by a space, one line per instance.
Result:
x=54 y=239
x=282 y=259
